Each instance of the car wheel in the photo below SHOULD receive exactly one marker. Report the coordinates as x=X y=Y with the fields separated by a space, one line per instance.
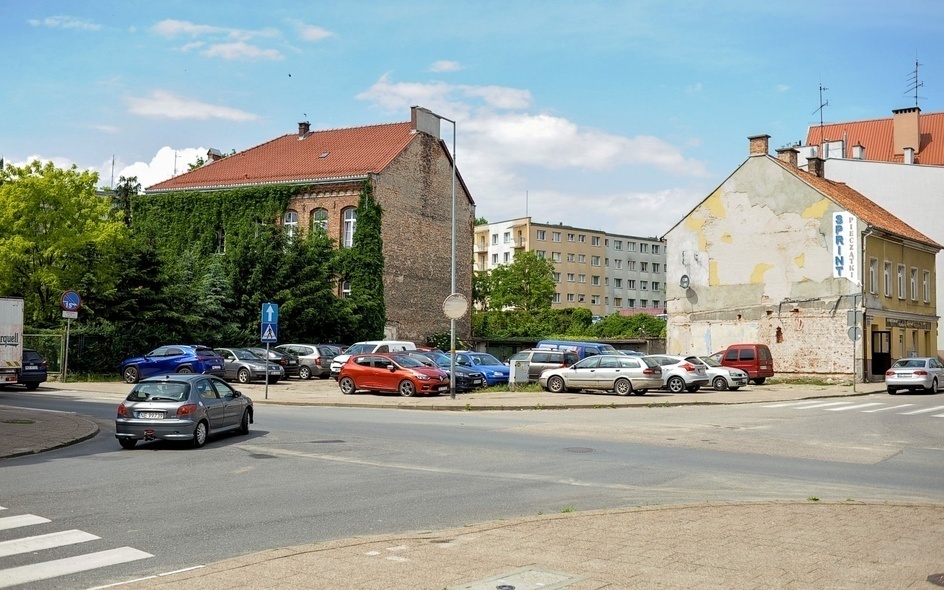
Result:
x=131 y=374
x=200 y=435
x=347 y=385
x=555 y=384
x=304 y=373
x=127 y=443
x=243 y=375
x=759 y=380
x=244 y=424
x=185 y=370
x=933 y=388
x=31 y=386
x=720 y=383
x=675 y=384
x=892 y=391
x=406 y=388
x=623 y=387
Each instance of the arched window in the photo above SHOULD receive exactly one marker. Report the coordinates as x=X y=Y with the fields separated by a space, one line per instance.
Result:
x=319 y=219
x=291 y=223
x=350 y=223
x=345 y=289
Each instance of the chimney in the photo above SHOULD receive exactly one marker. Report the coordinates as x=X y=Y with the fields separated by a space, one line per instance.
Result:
x=424 y=120
x=303 y=128
x=858 y=152
x=816 y=166
x=759 y=144
x=906 y=129
x=788 y=155
x=214 y=154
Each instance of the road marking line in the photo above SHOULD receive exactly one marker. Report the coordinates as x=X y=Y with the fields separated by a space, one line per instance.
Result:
x=855 y=407
x=923 y=411
x=40 y=542
x=70 y=565
x=787 y=404
x=12 y=522
x=145 y=578
x=824 y=405
x=888 y=408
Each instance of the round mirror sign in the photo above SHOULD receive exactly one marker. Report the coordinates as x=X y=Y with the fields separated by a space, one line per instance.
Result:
x=455 y=306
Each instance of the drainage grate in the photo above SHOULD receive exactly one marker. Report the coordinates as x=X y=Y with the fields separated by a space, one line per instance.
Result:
x=528 y=578
x=578 y=449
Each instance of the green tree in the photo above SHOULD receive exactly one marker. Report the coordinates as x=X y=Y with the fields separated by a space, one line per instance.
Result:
x=364 y=268
x=639 y=325
x=481 y=289
x=481 y=221
x=527 y=283
x=56 y=234
x=581 y=320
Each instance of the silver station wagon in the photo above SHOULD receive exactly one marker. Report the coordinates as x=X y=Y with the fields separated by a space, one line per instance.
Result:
x=607 y=372
x=185 y=407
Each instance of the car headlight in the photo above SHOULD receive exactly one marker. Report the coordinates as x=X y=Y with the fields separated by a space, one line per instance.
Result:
x=421 y=376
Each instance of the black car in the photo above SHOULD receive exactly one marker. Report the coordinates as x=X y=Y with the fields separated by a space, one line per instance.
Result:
x=289 y=362
x=34 y=369
x=467 y=378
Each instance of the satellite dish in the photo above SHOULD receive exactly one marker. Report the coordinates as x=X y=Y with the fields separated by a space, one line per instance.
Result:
x=684 y=282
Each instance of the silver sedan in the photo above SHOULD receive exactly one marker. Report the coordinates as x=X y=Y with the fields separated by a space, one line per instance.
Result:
x=924 y=373
x=607 y=372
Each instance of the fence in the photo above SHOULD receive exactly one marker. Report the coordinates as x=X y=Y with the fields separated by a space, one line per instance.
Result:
x=50 y=346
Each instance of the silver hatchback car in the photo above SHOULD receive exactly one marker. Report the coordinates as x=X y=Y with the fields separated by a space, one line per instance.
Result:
x=915 y=373
x=608 y=372
x=679 y=375
x=186 y=407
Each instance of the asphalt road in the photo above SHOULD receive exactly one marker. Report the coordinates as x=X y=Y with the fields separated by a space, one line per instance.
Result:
x=306 y=474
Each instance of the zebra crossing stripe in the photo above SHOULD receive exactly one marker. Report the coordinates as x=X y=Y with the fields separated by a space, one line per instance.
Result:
x=12 y=522
x=788 y=404
x=824 y=405
x=855 y=407
x=888 y=408
x=924 y=411
x=39 y=542
x=70 y=565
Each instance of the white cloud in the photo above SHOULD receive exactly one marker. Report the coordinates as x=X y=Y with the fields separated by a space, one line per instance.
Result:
x=241 y=50
x=104 y=128
x=445 y=66
x=694 y=88
x=66 y=22
x=311 y=32
x=59 y=162
x=161 y=167
x=782 y=88
x=173 y=28
x=161 y=103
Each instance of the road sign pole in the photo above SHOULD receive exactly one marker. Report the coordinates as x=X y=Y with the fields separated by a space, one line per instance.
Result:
x=65 y=352
x=267 y=371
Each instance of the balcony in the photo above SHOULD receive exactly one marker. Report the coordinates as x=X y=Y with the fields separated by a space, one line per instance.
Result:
x=519 y=243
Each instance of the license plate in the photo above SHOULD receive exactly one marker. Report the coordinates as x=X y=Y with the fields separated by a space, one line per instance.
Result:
x=31 y=368
x=217 y=367
x=443 y=388
x=151 y=415
x=477 y=382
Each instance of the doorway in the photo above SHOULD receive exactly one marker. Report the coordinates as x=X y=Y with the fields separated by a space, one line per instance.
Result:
x=881 y=352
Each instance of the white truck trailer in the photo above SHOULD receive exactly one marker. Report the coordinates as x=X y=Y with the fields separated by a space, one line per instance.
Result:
x=11 y=339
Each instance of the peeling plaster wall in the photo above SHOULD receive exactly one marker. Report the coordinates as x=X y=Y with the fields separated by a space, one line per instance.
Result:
x=759 y=257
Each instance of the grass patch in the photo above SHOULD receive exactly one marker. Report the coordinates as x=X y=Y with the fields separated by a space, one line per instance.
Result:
x=567 y=509
x=807 y=381
x=813 y=499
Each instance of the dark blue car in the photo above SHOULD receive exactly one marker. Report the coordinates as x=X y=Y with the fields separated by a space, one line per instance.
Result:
x=175 y=358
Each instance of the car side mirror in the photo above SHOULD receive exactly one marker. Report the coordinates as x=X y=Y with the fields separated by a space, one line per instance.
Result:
x=237 y=394
x=392 y=368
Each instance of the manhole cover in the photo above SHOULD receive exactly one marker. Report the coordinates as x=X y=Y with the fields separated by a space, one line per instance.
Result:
x=578 y=449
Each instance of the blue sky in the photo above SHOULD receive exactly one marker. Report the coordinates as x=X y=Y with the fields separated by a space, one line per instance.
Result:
x=618 y=116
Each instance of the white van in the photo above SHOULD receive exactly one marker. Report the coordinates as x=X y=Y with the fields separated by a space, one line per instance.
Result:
x=367 y=347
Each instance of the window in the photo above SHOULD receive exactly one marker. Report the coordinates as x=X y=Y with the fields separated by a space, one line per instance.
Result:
x=595 y=240
x=631 y=265
x=643 y=285
x=643 y=248
x=542 y=235
x=873 y=275
x=345 y=289
x=619 y=263
x=506 y=237
x=630 y=303
x=594 y=300
x=606 y=301
x=581 y=298
x=606 y=262
x=494 y=239
x=926 y=285
x=556 y=277
x=570 y=237
x=555 y=256
x=555 y=236
x=582 y=239
x=901 y=281
x=630 y=246
x=581 y=258
x=570 y=277
x=617 y=283
x=570 y=297
x=556 y=298
x=655 y=267
x=606 y=281
x=914 y=284
x=643 y=303
x=643 y=267
x=655 y=303
x=888 y=279
x=617 y=244
x=571 y=257
x=581 y=278
x=595 y=260
x=349 y=217
x=542 y=254
x=495 y=259
x=291 y=224
x=506 y=257
x=630 y=284
x=655 y=285
x=618 y=302
x=655 y=248
x=595 y=280
x=319 y=220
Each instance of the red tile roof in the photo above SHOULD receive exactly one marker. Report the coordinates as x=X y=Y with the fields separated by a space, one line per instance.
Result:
x=321 y=155
x=877 y=137
x=859 y=205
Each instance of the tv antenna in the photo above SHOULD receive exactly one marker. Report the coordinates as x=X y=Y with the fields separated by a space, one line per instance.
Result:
x=822 y=104
x=913 y=83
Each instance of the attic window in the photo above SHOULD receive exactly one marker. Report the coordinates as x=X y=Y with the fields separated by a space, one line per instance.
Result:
x=323 y=155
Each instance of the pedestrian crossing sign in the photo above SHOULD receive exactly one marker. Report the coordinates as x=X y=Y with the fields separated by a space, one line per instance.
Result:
x=270 y=332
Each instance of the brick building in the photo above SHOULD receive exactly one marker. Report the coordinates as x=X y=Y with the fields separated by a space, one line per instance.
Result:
x=411 y=171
